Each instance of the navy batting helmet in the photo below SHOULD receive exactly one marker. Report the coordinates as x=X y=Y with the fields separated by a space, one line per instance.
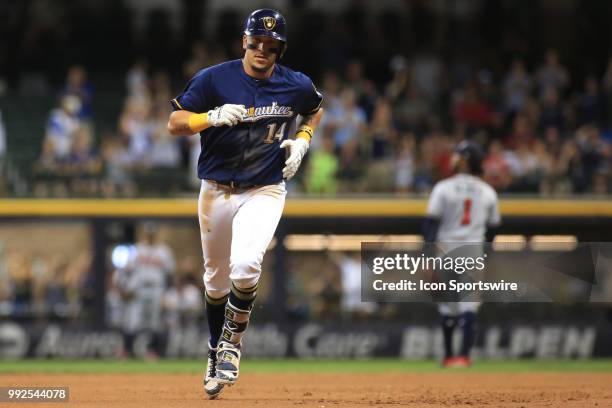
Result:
x=269 y=23
x=473 y=155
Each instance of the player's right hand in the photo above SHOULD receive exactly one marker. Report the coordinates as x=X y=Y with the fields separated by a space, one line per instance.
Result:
x=226 y=115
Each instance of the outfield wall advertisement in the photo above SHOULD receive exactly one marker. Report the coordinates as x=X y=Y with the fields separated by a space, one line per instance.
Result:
x=312 y=340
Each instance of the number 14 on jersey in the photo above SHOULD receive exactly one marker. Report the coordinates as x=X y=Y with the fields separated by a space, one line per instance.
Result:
x=273 y=134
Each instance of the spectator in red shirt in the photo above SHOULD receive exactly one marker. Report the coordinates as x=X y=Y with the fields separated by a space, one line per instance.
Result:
x=472 y=110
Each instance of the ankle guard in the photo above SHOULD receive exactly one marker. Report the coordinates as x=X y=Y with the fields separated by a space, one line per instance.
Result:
x=236 y=322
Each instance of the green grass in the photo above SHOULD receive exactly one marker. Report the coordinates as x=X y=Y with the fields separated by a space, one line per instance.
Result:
x=288 y=365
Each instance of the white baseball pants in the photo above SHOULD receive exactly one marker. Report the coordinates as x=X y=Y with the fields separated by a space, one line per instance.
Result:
x=236 y=230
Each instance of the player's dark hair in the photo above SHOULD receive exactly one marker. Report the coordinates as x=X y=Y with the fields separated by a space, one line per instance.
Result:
x=473 y=156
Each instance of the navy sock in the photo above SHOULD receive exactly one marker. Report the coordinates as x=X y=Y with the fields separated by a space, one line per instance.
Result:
x=128 y=338
x=215 y=314
x=468 y=323
x=155 y=345
x=448 y=327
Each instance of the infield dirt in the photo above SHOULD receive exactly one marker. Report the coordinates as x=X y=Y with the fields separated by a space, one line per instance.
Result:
x=266 y=390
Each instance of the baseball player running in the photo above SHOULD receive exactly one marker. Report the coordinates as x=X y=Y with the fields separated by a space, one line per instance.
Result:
x=244 y=110
x=461 y=209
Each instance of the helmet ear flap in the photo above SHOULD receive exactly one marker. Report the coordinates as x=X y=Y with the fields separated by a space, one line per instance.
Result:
x=283 y=48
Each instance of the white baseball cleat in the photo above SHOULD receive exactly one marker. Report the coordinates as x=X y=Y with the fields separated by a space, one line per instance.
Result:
x=228 y=363
x=212 y=387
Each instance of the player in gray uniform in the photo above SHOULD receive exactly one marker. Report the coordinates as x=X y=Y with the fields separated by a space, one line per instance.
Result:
x=149 y=270
x=461 y=209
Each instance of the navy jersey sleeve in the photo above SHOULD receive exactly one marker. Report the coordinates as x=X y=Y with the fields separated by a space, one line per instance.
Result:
x=311 y=98
x=196 y=95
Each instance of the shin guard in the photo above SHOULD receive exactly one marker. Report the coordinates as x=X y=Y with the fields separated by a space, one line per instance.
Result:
x=237 y=313
x=236 y=322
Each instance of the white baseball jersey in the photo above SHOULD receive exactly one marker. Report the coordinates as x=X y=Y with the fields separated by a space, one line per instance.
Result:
x=152 y=264
x=465 y=206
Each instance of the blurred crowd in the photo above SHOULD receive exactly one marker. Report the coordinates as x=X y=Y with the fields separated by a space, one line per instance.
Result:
x=45 y=287
x=147 y=291
x=540 y=134
x=326 y=286
x=136 y=156
x=402 y=83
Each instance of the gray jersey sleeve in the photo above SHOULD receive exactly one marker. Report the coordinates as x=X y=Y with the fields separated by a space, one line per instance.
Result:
x=435 y=205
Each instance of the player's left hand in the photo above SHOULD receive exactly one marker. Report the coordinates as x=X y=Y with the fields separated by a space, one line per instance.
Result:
x=297 y=150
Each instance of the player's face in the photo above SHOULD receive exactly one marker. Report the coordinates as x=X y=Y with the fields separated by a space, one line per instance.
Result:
x=260 y=52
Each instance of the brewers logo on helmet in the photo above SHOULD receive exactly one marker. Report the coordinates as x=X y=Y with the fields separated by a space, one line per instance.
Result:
x=269 y=23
